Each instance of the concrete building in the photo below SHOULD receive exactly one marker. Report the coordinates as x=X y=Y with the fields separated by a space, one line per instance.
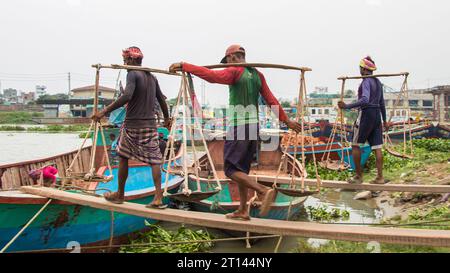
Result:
x=26 y=98
x=441 y=99
x=420 y=102
x=10 y=95
x=87 y=92
x=40 y=90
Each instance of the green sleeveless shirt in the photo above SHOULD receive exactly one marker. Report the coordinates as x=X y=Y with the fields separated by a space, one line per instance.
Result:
x=244 y=95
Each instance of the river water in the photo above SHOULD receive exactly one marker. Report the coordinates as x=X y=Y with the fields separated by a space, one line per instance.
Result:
x=19 y=146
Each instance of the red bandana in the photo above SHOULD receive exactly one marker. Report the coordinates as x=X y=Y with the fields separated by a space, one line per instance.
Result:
x=132 y=52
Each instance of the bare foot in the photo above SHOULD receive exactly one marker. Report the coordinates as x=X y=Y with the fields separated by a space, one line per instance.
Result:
x=156 y=203
x=114 y=197
x=378 y=180
x=355 y=180
x=238 y=215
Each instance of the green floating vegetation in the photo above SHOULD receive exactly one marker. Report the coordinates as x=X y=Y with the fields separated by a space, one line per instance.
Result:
x=334 y=246
x=49 y=128
x=426 y=152
x=435 y=213
x=164 y=241
x=18 y=117
x=432 y=218
x=327 y=174
x=12 y=128
x=323 y=213
x=433 y=144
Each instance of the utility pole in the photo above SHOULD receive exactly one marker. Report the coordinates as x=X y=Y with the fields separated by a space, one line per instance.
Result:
x=68 y=74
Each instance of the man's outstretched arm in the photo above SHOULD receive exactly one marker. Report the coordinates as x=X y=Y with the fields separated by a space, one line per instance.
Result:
x=227 y=76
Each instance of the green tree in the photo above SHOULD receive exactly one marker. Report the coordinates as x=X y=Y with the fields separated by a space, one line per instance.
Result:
x=349 y=93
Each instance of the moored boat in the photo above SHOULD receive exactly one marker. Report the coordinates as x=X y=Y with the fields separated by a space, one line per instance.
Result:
x=227 y=200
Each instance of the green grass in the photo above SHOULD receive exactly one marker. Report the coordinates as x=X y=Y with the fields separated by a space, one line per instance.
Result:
x=49 y=128
x=426 y=153
x=334 y=246
x=18 y=117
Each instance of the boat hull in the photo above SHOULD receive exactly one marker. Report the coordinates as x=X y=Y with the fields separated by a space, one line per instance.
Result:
x=227 y=200
x=336 y=153
x=63 y=223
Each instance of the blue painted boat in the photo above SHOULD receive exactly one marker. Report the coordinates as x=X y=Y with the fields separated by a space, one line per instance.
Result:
x=228 y=199
x=63 y=223
x=335 y=153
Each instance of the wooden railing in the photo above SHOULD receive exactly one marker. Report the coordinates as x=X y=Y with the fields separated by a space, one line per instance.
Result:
x=12 y=176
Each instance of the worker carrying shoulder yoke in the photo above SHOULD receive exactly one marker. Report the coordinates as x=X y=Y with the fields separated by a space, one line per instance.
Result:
x=245 y=86
x=138 y=138
x=368 y=126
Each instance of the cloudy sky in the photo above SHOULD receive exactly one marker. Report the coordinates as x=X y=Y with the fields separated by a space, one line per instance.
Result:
x=41 y=41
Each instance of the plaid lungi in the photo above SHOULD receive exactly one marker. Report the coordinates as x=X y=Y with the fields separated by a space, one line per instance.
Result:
x=140 y=144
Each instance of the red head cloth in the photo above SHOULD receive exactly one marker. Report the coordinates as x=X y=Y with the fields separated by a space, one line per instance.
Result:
x=133 y=53
x=230 y=50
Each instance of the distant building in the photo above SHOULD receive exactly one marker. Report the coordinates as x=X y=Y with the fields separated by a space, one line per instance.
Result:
x=26 y=98
x=420 y=102
x=41 y=90
x=87 y=92
x=441 y=99
x=317 y=113
x=10 y=95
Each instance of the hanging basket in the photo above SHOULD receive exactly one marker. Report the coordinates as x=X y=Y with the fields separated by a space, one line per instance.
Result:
x=295 y=192
x=334 y=165
x=193 y=196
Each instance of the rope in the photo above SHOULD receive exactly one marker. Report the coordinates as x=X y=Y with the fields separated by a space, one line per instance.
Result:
x=211 y=162
x=111 y=234
x=402 y=94
x=69 y=169
x=25 y=227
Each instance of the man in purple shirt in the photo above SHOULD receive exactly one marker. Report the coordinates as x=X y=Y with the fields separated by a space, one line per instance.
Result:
x=368 y=126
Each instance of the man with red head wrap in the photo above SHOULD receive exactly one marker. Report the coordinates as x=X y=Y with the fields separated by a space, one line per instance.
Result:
x=138 y=138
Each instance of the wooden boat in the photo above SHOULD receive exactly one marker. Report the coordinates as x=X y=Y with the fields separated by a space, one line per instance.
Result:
x=418 y=131
x=227 y=200
x=322 y=150
x=443 y=131
x=62 y=223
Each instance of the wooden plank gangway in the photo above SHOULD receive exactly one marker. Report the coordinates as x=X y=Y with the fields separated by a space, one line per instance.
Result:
x=438 y=238
x=365 y=186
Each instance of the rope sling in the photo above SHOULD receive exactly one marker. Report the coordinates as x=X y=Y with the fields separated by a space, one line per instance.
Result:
x=298 y=168
x=340 y=164
x=388 y=145
x=187 y=194
x=91 y=176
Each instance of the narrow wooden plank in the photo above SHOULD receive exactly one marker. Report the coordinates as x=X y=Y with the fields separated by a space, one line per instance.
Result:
x=440 y=238
x=365 y=186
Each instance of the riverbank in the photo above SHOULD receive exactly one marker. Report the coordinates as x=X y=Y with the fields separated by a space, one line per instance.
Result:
x=430 y=166
x=44 y=128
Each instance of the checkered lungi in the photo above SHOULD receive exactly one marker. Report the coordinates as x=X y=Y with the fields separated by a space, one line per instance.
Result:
x=140 y=144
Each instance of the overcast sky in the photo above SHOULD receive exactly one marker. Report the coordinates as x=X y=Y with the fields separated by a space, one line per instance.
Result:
x=43 y=40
